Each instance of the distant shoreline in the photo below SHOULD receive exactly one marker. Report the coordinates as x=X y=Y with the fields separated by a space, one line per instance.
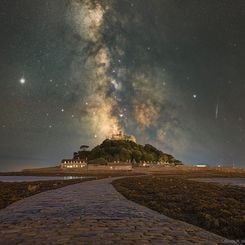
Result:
x=57 y=171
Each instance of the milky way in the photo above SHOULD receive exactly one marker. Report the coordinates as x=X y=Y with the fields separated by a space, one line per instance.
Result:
x=117 y=95
x=74 y=71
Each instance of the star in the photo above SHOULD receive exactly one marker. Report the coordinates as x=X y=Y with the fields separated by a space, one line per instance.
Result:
x=147 y=80
x=22 y=80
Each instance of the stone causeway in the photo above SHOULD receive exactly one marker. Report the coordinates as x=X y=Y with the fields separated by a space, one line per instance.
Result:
x=93 y=212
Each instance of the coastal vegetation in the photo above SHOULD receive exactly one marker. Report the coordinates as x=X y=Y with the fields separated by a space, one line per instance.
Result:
x=123 y=150
x=217 y=208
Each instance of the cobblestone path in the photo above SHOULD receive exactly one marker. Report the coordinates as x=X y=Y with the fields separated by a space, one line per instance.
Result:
x=93 y=212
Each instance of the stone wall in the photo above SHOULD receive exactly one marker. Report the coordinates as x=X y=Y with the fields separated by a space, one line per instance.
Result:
x=109 y=167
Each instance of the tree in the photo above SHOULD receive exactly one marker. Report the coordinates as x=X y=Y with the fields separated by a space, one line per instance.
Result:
x=83 y=155
x=121 y=150
x=98 y=161
x=125 y=155
x=177 y=162
x=75 y=155
x=148 y=157
x=84 y=147
x=136 y=155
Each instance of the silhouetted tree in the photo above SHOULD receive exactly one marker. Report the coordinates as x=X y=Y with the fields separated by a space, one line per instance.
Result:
x=75 y=155
x=84 y=147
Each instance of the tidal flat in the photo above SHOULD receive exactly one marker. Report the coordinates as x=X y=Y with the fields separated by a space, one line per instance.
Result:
x=214 y=207
x=14 y=191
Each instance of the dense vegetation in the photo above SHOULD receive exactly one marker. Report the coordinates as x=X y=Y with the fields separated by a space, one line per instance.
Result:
x=121 y=150
x=216 y=208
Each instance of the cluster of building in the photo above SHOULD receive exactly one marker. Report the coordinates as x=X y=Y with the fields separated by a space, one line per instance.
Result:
x=116 y=165
x=71 y=163
x=78 y=164
x=151 y=163
x=81 y=164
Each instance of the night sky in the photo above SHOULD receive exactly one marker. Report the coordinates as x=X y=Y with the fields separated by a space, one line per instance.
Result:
x=171 y=72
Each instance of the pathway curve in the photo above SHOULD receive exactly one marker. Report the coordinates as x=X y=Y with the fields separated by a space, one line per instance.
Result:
x=93 y=212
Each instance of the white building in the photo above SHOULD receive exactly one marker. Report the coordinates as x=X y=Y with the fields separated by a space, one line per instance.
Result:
x=71 y=163
x=201 y=165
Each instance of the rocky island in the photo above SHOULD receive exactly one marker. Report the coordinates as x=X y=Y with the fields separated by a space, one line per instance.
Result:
x=120 y=152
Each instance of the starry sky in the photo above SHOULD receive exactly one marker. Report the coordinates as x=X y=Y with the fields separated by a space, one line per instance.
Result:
x=170 y=72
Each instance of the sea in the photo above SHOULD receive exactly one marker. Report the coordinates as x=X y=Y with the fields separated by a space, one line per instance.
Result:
x=37 y=178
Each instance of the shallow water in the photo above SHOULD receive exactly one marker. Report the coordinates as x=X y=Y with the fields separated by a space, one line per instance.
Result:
x=223 y=181
x=36 y=178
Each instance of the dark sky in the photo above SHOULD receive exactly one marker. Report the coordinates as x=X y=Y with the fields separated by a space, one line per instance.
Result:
x=171 y=72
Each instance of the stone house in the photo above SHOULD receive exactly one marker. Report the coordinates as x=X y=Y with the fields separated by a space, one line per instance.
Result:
x=71 y=164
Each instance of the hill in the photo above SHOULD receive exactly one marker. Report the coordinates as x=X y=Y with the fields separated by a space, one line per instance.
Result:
x=125 y=151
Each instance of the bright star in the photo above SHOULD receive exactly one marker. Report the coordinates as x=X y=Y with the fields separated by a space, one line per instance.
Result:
x=62 y=110
x=194 y=96
x=22 y=80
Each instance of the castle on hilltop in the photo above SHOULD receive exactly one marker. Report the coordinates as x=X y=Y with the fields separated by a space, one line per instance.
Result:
x=121 y=136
